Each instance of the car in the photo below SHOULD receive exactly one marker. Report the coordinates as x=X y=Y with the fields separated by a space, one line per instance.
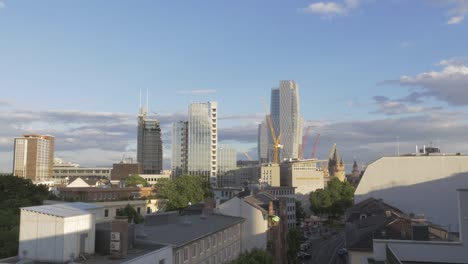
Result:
x=342 y=252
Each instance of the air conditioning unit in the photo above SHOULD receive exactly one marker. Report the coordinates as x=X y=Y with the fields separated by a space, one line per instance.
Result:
x=114 y=246
x=115 y=236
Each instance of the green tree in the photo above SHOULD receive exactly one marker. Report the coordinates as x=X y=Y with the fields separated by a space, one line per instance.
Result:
x=255 y=256
x=15 y=193
x=333 y=200
x=300 y=214
x=293 y=244
x=134 y=180
x=132 y=215
x=182 y=190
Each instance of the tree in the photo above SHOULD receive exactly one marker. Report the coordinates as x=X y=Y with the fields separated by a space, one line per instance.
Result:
x=255 y=256
x=293 y=244
x=182 y=190
x=131 y=214
x=134 y=180
x=15 y=192
x=333 y=200
x=300 y=214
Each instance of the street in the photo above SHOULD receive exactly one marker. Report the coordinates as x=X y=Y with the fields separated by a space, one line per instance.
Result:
x=325 y=251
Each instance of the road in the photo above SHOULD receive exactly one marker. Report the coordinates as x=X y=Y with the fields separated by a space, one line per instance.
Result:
x=325 y=251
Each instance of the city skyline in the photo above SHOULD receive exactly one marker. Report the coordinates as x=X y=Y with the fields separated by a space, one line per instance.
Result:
x=366 y=84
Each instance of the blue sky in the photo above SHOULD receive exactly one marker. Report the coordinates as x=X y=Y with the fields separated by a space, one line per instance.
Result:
x=74 y=69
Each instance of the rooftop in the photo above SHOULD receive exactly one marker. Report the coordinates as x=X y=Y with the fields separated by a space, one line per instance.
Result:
x=60 y=210
x=181 y=230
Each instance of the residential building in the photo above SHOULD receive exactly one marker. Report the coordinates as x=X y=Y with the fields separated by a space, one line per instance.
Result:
x=203 y=140
x=418 y=184
x=179 y=148
x=419 y=249
x=34 y=157
x=374 y=219
x=208 y=238
x=287 y=193
x=264 y=225
x=286 y=119
x=223 y=194
x=305 y=176
x=149 y=144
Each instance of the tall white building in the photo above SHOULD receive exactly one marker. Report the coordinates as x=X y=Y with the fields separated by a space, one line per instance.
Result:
x=203 y=140
x=286 y=120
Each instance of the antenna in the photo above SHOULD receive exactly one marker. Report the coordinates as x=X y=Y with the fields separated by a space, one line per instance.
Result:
x=147 y=96
x=398 y=145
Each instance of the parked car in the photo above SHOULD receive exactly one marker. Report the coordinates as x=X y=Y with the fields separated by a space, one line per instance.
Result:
x=342 y=252
x=304 y=255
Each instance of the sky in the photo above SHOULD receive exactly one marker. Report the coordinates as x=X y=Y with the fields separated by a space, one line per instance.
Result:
x=374 y=76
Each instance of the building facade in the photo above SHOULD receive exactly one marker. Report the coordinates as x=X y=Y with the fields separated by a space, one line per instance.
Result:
x=336 y=167
x=262 y=144
x=227 y=164
x=64 y=171
x=149 y=145
x=286 y=119
x=179 y=148
x=203 y=140
x=287 y=193
x=34 y=157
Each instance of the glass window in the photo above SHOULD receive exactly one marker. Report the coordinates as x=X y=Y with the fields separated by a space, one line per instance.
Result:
x=106 y=213
x=207 y=243
x=193 y=250
x=200 y=247
x=186 y=254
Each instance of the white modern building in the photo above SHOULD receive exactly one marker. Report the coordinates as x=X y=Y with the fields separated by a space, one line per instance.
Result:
x=418 y=184
x=66 y=170
x=203 y=140
x=55 y=233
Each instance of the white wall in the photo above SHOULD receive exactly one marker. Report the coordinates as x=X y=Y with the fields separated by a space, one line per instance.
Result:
x=53 y=239
x=154 y=257
x=418 y=184
x=355 y=257
x=254 y=229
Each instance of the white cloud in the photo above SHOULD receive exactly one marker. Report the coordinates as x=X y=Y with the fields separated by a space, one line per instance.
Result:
x=201 y=91
x=331 y=9
x=2 y=4
x=455 y=20
x=448 y=85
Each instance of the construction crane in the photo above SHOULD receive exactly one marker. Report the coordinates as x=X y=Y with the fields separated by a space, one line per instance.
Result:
x=314 y=150
x=276 y=140
x=304 y=141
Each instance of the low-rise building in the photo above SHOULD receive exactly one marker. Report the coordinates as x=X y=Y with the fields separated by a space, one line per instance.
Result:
x=122 y=170
x=152 y=179
x=423 y=251
x=305 y=176
x=222 y=194
x=65 y=172
x=288 y=193
x=209 y=238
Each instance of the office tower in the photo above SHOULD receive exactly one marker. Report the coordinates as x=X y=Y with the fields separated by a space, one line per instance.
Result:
x=34 y=157
x=149 y=148
x=179 y=148
x=286 y=119
x=263 y=135
x=203 y=140
x=227 y=165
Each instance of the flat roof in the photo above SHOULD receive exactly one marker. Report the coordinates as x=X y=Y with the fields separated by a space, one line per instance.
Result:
x=185 y=229
x=60 y=210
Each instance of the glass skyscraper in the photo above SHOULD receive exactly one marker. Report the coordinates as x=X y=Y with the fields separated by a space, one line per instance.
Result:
x=286 y=120
x=179 y=148
x=203 y=140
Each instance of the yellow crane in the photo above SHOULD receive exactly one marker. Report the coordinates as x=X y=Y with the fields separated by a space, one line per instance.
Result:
x=276 y=140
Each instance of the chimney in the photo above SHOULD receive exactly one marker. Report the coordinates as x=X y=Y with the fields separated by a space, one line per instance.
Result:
x=420 y=232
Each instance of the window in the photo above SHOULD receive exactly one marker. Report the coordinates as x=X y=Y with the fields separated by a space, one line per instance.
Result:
x=176 y=258
x=213 y=240
x=220 y=241
x=224 y=235
x=213 y=259
x=200 y=247
x=106 y=213
x=138 y=210
x=186 y=254
x=207 y=243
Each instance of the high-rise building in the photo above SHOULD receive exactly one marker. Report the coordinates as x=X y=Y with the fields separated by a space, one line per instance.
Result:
x=263 y=135
x=227 y=164
x=149 y=148
x=286 y=120
x=34 y=157
x=179 y=148
x=203 y=140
